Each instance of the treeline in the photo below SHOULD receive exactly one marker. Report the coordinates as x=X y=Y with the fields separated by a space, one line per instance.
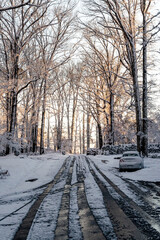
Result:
x=119 y=149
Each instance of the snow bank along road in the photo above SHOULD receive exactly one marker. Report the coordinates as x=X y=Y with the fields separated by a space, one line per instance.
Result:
x=83 y=203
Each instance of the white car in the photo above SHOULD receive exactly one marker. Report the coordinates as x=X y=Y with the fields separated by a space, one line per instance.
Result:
x=131 y=160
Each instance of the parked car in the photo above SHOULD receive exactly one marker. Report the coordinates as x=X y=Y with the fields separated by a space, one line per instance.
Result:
x=131 y=160
x=92 y=151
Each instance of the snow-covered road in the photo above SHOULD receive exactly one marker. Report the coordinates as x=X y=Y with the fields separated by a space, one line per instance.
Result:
x=87 y=199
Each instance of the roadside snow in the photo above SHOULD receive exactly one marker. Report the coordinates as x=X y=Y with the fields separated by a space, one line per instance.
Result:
x=23 y=168
x=150 y=173
x=16 y=193
x=110 y=167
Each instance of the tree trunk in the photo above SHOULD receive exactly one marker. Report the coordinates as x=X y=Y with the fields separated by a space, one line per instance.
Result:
x=134 y=72
x=33 y=147
x=111 y=118
x=100 y=137
x=34 y=137
x=23 y=126
x=59 y=125
x=73 y=121
x=83 y=133
x=68 y=124
x=75 y=138
x=43 y=119
x=88 y=129
x=15 y=58
x=8 y=121
x=80 y=139
x=13 y=113
x=48 y=134
x=55 y=136
x=59 y=135
x=145 y=100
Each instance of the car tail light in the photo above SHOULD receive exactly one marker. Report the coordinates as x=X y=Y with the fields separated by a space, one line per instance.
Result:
x=121 y=160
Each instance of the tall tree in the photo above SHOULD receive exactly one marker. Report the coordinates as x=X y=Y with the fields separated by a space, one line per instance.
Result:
x=17 y=28
x=122 y=25
x=144 y=9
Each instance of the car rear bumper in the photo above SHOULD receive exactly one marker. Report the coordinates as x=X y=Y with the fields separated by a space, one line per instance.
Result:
x=130 y=166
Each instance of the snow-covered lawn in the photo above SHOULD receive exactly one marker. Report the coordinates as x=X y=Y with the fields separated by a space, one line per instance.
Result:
x=17 y=194
x=23 y=168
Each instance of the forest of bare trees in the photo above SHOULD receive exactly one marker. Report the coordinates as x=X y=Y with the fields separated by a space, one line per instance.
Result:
x=75 y=75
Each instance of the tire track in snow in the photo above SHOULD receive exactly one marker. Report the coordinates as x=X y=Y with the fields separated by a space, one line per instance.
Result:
x=90 y=229
x=150 y=198
x=25 y=226
x=61 y=232
x=93 y=216
x=135 y=215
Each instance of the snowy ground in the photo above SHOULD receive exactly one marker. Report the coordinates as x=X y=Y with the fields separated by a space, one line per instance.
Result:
x=18 y=194
x=23 y=168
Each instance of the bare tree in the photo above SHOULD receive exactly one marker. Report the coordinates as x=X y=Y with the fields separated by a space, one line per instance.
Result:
x=122 y=24
x=53 y=52
x=105 y=66
x=144 y=9
x=17 y=29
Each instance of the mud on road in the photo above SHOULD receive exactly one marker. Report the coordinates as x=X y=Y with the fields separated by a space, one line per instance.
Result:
x=90 y=206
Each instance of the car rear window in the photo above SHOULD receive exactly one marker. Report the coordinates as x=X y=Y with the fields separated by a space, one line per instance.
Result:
x=130 y=155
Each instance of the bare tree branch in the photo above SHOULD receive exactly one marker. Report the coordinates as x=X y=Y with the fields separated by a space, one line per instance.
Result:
x=14 y=7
